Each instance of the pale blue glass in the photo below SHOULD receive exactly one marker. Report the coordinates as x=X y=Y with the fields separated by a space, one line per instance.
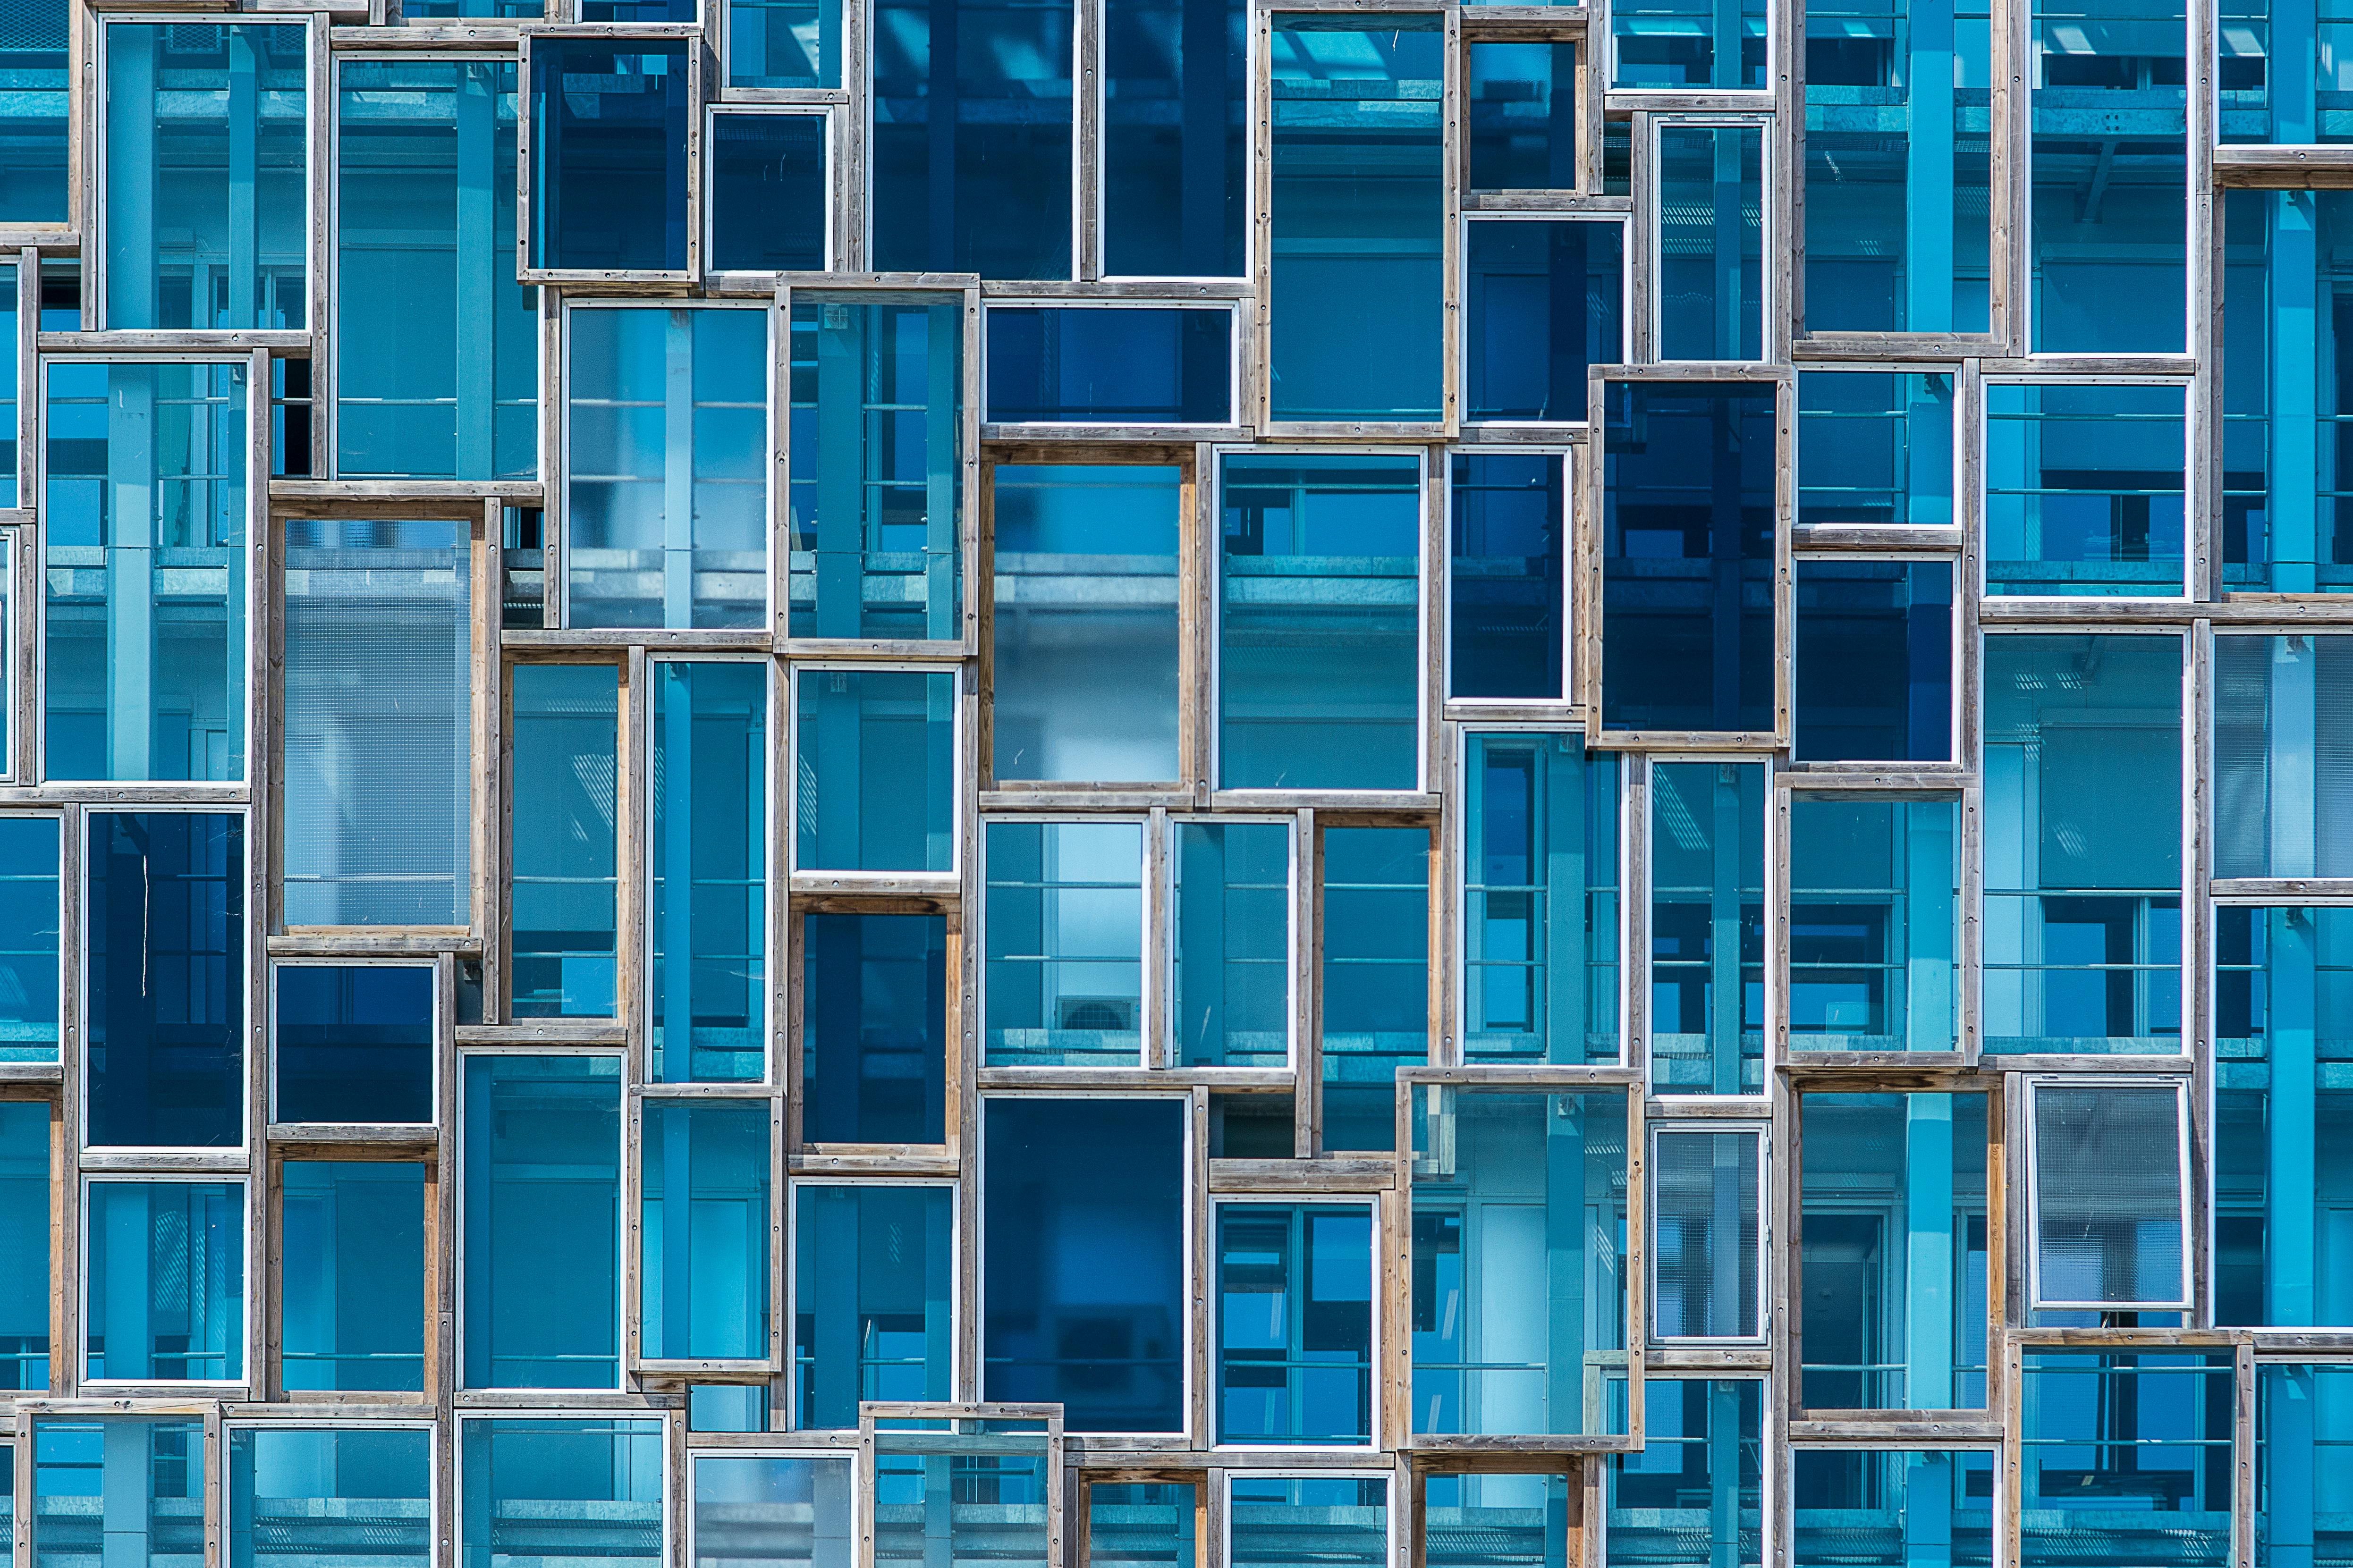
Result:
x=579 y=1488
x=207 y=175
x=875 y=755
x=1711 y=276
x=30 y=917
x=1704 y=1229
x=34 y=187
x=925 y=1471
x=873 y=1028
x=353 y=1281
x=163 y=1287
x=2083 y=490
x=126 y=1492
x=565 y=887
x=1294 y=1324
x=1519 y=1227
x=770 y=1511
x=1872 y=942
x=143 y=535
x=1892 y=1507
x=1230 y=913
x=727 y=1407
x=2304 y=1472
x=873 y=1297
x=2124 y=1457
x=1697 y=1484
x=1142 y=1524
x=540 y=1222
x=1375 y=978
x=784 y=43
x=1707 y=928
x=1346 y=1516
x=1502 y=1521
x=702 y=1230
x=1690 y=44
x=1875 y=448
x=2282 y=779
x=25 y=1235
x=1063 y=955
x=708 y=983
x=2111 y=1225
x=302 y=1497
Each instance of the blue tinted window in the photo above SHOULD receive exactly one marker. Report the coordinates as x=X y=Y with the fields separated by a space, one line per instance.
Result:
x=1111 y=366
x=1942 y=1499
x=296 y=1497
x=566 y=746
x=1522 y=116
x=1690 y=44
x=1045 y=1203
x=352 y=1043
x=768 y=1508
x=873 y=1028
x=1176 y=88
x=352 y=1314
x=163 y=924
x=146 y=1477
x=533 y=1487
x=1707 y=928
x=1230 y=912
x=164 y=1291
x=1699 y=1476
x=1374 y=977
x=1874 y=661
x=875 y=758
x=1294 y=1323
x=1266 y=1515
x=919 y=1491
x=708 y=979
x=1711 y=281
x=1706 y=1227
x=1506 y=618
x=33 y=183
x=1873 y=890
x=702 y=1227
x=1063 y=921
x=2154 y=1430
x=873 y=1297
x=2280 y=768
x=2301 y=1480
x=10 y=374
x=24 y=1233
x=1137 y=1523
x=770 y=190
x=2083 y=490
x=1543 y=303
x=608 y=150
x=727 y=1407
x=30 y=914
x=784 y=43
x=1874 y=448
x=1486 y=1521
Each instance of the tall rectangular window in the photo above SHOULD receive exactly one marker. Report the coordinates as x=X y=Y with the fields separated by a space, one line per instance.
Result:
x=702 y=1230
x=1084 y=623
x=2283 y=772
x=437 y=351
x=1874 y=448
x=1707 y=928
x=783 y=43
x=2082 y=851
x=972 y=138
x=1175 y=88
x=874 y=780
x=378 y=722
x=2109 y=1197
x=2154 y=1427
x=31 y=913
x=2083 y=490
x=769 y=193
x=1706 y=1234
x=873 y=1297
x=146 y=1476
x=1544 y=301
x=208 y=190
x=873 y=1028
x=1062 y=924
x=1229 y=910
x=707 y=988
x=530 y=1487
x=540 y=1196
x=1688 y=548
x=144 y=524
x=1522 y=109
x=608 y=153
x=1319 y=623
x=1873 y=673
x=34 y=187
x=298 y=1494
x=564 y=904
x=26 y=1230
x=1712 y=223
x=1508 y=617
x=2300 y=1483
x=876 y=445
x=1294 y=1323
x=1060 y=1321
x=1699 y=1477
x=1359 y=219
x=1874 y=896
x=352 y=1043
x=163 y=1281
x=353 y=1311
x=15 y=296
x=1372 y=977
x=165 y=939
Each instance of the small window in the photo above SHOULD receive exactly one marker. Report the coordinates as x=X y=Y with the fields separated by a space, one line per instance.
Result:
x=875 y=757
x=1502 y=1519
x=563 y=901
x=562 y=1487
x=352 y=1043
x=1142 y=1524
x=1682 y=44
x=608 y=140
x=1707 y=1234
x=351 y=1313
x=2282 y=765
x=782 y=43
x=1874 y=661
x=873 y=1028
x=1229 y=908
x=163 y=1281
x=702 y=1228
x=1873 y=929
x=727 y=1407
x=148 y=1475
x=1346 y=1515
x=1710 y=289
x=770 y=189
x=2083 y=490
x=1875 y=450
x=1176 y=182
x=1111 y=365
x=1698 y=1473
x=1945 y=1491
x=873 y=1297
x=2110 y=1195
x=1543 y=303
x=1011 y=1461
x=27 y=1235
x=31 y=912
x=1295 y=1324
x=1522 y=116
x=1508 y=617
x=1706 y=988
x=1063 y=921
x=308 y=1490
x=791 y=1510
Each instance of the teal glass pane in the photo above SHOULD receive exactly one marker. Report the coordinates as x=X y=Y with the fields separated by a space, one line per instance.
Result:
x=1319 y=655
x=1506 y=586
x=608 y=153
x=12 y=373
x=1063 y=921
x=30 y=915
x=1502 y=1521
x=1085 y=623
x=1707 y=928
x=1689 y=43
x=2110 y=1218
x=437 y=351
x=300 y=1498
x=163 y=1281
x=353 y=1313
x=702 y=1230
x=1874 y=448
x=1176 y=95
x=770 y=189
x=874 y=1028
x=1373 y=977
x=567 y=761
x=207 y=177
x=2083 y=857
x=1544 y=301
x=34 y=187
x=1346 y=1517
x=1229 y=910
x=875 y=756
x=1697 y=1483
x=25 y=1229
x=1874 y=935
x=1142 y=1524
x=1711 y=278
x=709 y=912
x=2125 y=1457
x=927 y=1484
x=1294 y=1324
x=1518 y=1200
x=533 y=1488
x=768 y=1510
x=1540 y=900
x=2083 y=490
x=784 y=43
x=873 y=1297
x=2282 y=780
x=1359 y=218
x=1705 y=1227
x=727 y=1407
x=877 y=465
x=133 y=1490
x=1893 y=1197
x=1889 y=1508
x=2303 y=1482
x=1522 y=111
x=540 y=1223
x=144 y=519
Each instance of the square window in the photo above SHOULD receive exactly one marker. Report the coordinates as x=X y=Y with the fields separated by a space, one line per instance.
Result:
x=352 y=1043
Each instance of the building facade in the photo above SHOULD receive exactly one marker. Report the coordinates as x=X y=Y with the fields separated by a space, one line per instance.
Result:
x=1175 y=784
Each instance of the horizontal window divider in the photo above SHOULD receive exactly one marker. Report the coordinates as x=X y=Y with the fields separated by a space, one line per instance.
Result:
x=2090 y=369
x=536 y=1033
x=2304 y=1344
x=2128 y=1339
x=1753 y=1355
x=498 y=34
x=1835 y=778
x=2290 y=613
x=1420 y=433
x=651 y=638
x=165 y=1162
x=31 y=1073
x=1143 y=290
x=193 y=796
x=1940 y=350
x=445 y=491
x=1336 y=807
x=1563 y=1078
x=619 y=32
x=1751 y=741
x=1496 y=1453
x=1565 y=715
x=1050 y=435
x=1117 y=1080
x=1236 y=1457
x=563 y=1402
x=1935 y=537
x=943 y=884
x=1880 y=1428
x=822 y=1162
x=1881 y=1072
x=2159 y=1067
x=1756 y=101
x=864 y=904
x=690 y=1368
x=1752 y=1109
x=748 y=96
x=1075 y=797
x=2262 y=890
x=1539 y=22
x=849 y=283
x=292 y=1140
x=834 y=651
x=1326 y=1176
x=125 y=1403
x=2088 y=617
x=309 y=1404
x=646 y=281
x=343 y=942
x=175 y=341
x=813 y=1442
x=1691 y=370
x=736 y=1091
x=1562 y=204
x=2283 y=167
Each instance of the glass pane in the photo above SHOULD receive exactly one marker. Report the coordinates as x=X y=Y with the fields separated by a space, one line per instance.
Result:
x=769 y=186
x=1106 y=366
x=873 y=1297
x=1294 y=1324
x=1543 y=303
x=2283 y=773
x=727 y=1407
x=708 y=981
x=783 y=43
x=2109 y=1207
x=1884 y=1508
x=353 y=1278
x=1346 y=1517
x=31 y=913
x=1522 y=116
x=1688 y=44
x=533 y=1489
x=609 y=138
x=1176 y=81
x=10 y=374
x=1507 y=621
x=163 y=1287
x=1063 y=919
x=874 y=776
x=299 y=1497
x=25 y=1235
x=1874 y=666
x=2301 y=1475
x=1874 y=960
x=1711 y=283
x=1142 y=1524
x=766 y=1510
x=133 y=1490
x=1373 y=977
x=1502 y=1521
x=1698 y=1477
x=2083 y=490
x=1874 y=448
x=873 y=1028
x=33 y=183
x=352 y=1043
x=2125 y=1457
x=702 y=1227
x=972 y=1494
x=566 y=762
x=1231 y=899
x=1707 y=928
x=1705 y=1233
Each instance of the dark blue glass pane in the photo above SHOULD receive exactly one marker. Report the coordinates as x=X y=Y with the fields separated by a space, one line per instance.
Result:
x=608 y=154
x=768 y=193
x=1687 y=556
x=1874 y=672
x=1523 y=117
x=1111 y=366
x=1505 y=620
x=165 y=917
x=1545 y=301
x=637 y=10
x=354 y=1043
x=1874 y=448
x=874 y=1029
x=1083 y=1302
x=1175 y=91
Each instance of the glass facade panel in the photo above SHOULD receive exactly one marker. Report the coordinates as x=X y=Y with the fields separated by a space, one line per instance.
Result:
x=708 y=966
x=1522 y=109
x=873 y=1297
x=769 y=184
x=25 y=1229
x=1063 y=929
x=1892 y=1507
x=1294 y=1324
x=1231 y=897
x=1142 y=1524
x=1374 y=972
x=608 y=154
x=2302 y=1478
x=1873 y=943
x=1707 y=928
x=35 y=180
x=702 y=1230
x=297 y=1497
x=163 y=1282
x=1874 y=661
x=31 y=913
x=873 y=1028
x=1690 y=44
x=352 y=1043
x=772 y=1510
x=1705 y=1232
x=531 y=1488
x=2283 y=772
x=133 y=1489
x=1699 y=1478
x=1473 y=1520
x=1710 y=241
x=928 y=1479
x=1507 y=610
x=564 y=882
x=1874 y=448
x=2110 y=1197
x=1347 y=1516
x=874 y=770
x=1544 y=301
x=783 y=43
x=353 y=1313
x=1176 y=90
x=2112 y=526
x=2125 y=1455
x=1110 y=366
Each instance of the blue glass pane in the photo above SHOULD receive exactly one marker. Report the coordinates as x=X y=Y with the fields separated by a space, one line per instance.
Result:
x=873 y=1297
x=1319 y=626
x=608 y=153
x=164 y=1283
x=25 y=1232
x=784 y=43
x=2083 y=490
x=1707 y=928
x=971 y=147
x=1706 y=1226
x=30 y=916
x=1105 y=1338
x=352 y=1043
x=771 y=1512
x=1107 y=366
x=33 y=183
x=708 y=981
x=353 y=1310
x=1374 y=977
x=875 y=769
x=567 y=758
x=1062 y=922
x=542 y=1199
x=921 y=1480
x=2125 y=1457
x=1231 y=901
x=144 y=525
x=1359 y=220
x=164 y=918
x=2303 y=1486
x=1345 y=1517
x=1887 y=1508
x=1873 y=910
x=1711 y=280
x=873 y=1028
x=298 y=1498
x=1874 y=665
x=769 y=189
x=702 y=1227
x=135 y=1489
x=1687 y=554
x=1684 y=43
x=10 y=374
x=1522 y=116
x=1507 y=616
x=1175 y=86
x=207 y=175
x=1142 y=1524
x=2280 y=770
x=586 y=1490
x=1697 y=1479
x=727 y=1407
x=1874 y=448
x=1294 y=1323
x=1502 y=1520
x=1543 y=303
x=2108 y=1208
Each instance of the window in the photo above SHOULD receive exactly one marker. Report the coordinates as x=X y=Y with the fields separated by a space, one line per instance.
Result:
x=1874 y=893
x=532 y=1486
x=668 y=461
x=540 y=1224
x=772 y=1510
x=1063 y=919
x=1319 y=623
x=1690 y=44
x=2151 y=1432
x=2110 y=1194
x=1347 y=1512
x=146 y=1476
x=297 y=1495
x=352 y=1043
x=873 y=1028
x=1491 y=1520
x=1874 y=661
x=1294 y=1323
x=2298 y=1416
x=566 y=729
x=1940 y=1495
x=1544 y=301
x=770 y=190
x=1111 y=365
x=920 y=1482
x=708 y=979
x=873 y=1297
x=783 y=43
x=1086 y=678
x=379 y=723
x=163 y=1282
x=353 y=1275
x=2282 y=710
x=1875 y=450
x=1106 y=1341
x=34 y=187
x=1373 y=982
x=1707 y=1234
x=1712 y=224
x=1130 y=1524
x=144 y=637
x=727 y=1407
x=1176 y=89
x=207 y=181
x=1699 y=1476
x=1707 y=928
x=1231 y=897
x=1522 y=114
x=1508 y=616
x=26 y=1231
x=875 y=754
x=608 y=140
x=30 y=915
x=12 y=486
x=2111 y=527
x=702 y=1228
